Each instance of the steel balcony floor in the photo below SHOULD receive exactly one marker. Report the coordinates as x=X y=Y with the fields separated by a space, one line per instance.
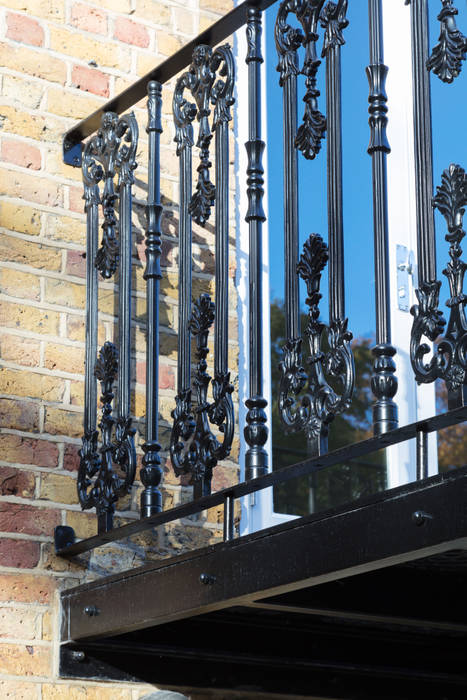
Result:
x=365 y=601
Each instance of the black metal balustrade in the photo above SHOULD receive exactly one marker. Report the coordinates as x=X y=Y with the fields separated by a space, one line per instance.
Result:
x=316 y=387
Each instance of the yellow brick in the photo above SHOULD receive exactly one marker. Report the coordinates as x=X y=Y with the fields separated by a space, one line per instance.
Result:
x=23 y=383
x=18 y=690
x=102 y=693
x=61 y=489
x=184 y=20
x=29 y=318
x=47 y=9
x=220 y=6
x=16 y=121
x=77 y=45
x=146 y=62
x=24 y=660
x=23 y=351
x=123 y=6
x=108 y=301
x=77 y=394
x=27 y=253
x=63 y=692
x=56 y=166
x=156 y=12
x=72 y=105
x=18 y=623
x=47 y=627
x=19 y=284
x=27 y=92
x=65 y=293
x=65 y=228
x=84 y=524
x=64 y=358
x=167 y=44
x=36 y=63
x=20 y=218
x=61 y=422
x=31 y=188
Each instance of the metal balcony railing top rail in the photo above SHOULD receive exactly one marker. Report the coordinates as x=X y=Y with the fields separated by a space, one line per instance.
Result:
x=314 y=391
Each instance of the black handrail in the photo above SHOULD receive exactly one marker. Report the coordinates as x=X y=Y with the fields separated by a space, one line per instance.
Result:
x=213 y=35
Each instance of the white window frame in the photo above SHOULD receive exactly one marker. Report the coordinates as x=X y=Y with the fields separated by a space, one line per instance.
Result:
x=415 y=403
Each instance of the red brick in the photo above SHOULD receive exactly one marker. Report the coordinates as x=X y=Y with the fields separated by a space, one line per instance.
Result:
x=76 y=263
x=166 y=375
x=23 y=351
x=71 y=458
x=16 y=482
x=21 y=554
x=76 y=199
x=22 y=154
x=131 y=32
x=90 y=80
x=20 y=450
x=19 y=415
x=89 y=18
x=28 y=520
x=24 y=29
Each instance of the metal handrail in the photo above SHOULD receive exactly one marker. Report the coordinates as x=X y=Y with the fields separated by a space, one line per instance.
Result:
x=220 y=30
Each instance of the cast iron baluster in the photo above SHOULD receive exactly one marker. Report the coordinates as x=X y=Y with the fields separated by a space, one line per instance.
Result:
x=199 y=457
x=448 y=54
x=184 y=424
x=313 y=127
x=428 y=319
x=316 y=409
x=288 y=39
x=221 y=411
x=89 y=457
x=449 y=361
x=256 y=431
x=204 y=197
x=384 y=381
x=151 y=473
x=114 y=147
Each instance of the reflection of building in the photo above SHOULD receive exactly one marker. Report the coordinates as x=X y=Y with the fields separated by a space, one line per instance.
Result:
x=288 y=607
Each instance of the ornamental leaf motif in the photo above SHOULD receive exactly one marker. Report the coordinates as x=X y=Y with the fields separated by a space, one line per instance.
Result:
x=317 y=407
x=334 y=21
x=447 y=56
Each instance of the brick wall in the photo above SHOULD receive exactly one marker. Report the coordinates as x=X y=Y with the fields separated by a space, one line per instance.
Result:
x=62 y=59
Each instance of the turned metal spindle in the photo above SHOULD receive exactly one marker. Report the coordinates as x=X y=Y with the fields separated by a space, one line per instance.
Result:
x=256 y=431
x=288 y=41
x=92 y=234
x=334 y=21
x=151 y=473
x=423 y=144
x=384 y=381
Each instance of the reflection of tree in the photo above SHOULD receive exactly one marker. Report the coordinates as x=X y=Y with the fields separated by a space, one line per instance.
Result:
x=452 y=442
x=343 y=482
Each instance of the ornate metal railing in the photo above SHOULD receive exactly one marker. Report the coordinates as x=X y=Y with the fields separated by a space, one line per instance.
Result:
x=314 y=391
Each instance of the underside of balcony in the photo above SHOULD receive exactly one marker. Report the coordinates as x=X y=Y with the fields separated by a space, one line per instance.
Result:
x=363 y=601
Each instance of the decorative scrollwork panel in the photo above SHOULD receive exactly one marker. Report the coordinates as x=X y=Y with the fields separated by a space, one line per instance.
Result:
x=449 y=357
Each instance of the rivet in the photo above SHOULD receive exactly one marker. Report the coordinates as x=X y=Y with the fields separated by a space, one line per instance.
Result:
x=91 y=610
x=207 y=579
x=78 y=656
x=419 y=517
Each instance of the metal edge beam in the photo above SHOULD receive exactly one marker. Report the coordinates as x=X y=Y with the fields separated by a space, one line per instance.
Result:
x=401 y=528
x=344 y=454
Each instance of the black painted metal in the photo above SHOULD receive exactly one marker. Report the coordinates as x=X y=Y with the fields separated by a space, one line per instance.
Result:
x=301 y=553
x=256 y=431
x=229 y=517
x=447 y=56
x=212 y=36
x=151 y=473
x=109 y=154
x=210 y=79
x=449 y=360
x=314 y=410
x=384 y=381
x=422 y=454
x=423 y=147
x=344 y=454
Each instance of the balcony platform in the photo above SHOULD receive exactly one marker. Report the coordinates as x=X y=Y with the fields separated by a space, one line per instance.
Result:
x=364 y=601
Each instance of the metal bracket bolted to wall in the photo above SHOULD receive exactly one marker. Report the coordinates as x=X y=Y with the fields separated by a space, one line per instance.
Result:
x=72 y=153
x=405 y=267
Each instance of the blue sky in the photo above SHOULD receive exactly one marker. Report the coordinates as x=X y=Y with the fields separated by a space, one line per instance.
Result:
x=450 y=146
